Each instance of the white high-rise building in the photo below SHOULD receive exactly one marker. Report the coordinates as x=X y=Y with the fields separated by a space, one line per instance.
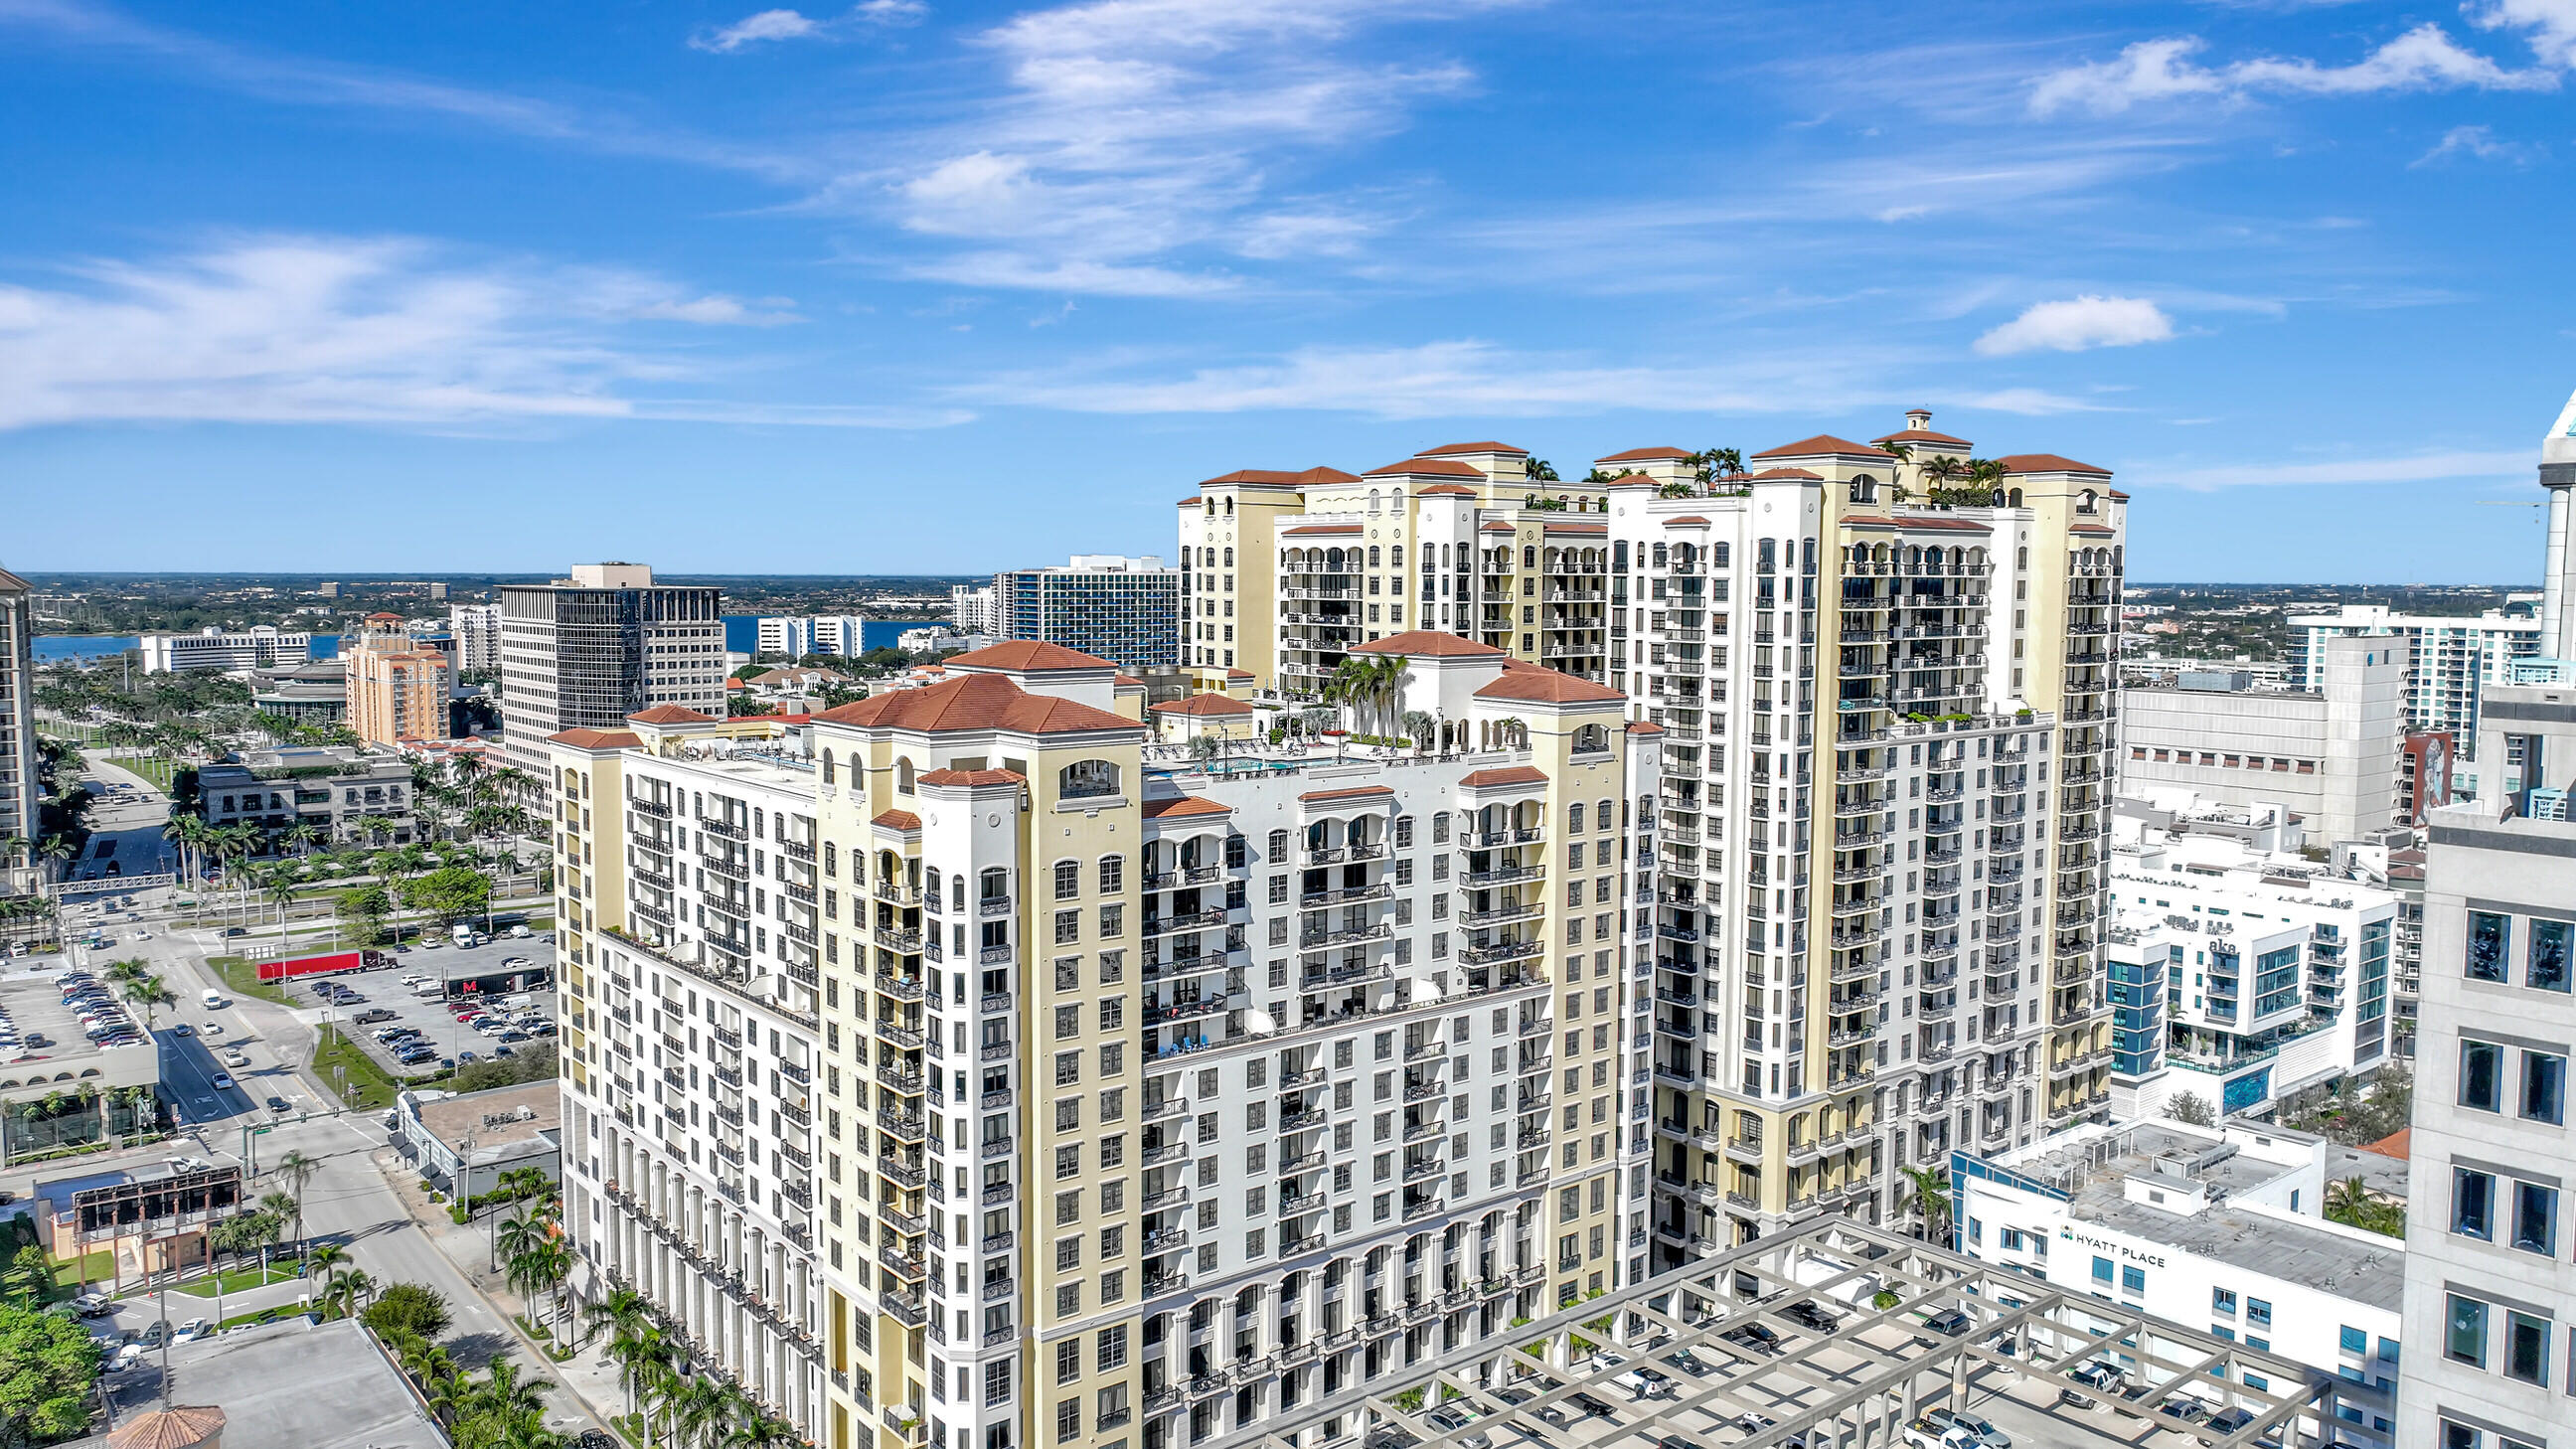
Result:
x=2330 y=752
x=2558 y=564
x=794 y=636
x=477 y=628
x=587 y=651
x=18 y=792
x=263 y=646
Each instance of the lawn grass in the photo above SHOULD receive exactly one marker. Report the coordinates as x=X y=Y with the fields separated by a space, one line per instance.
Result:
x=369 y=1087
x=241 y=974
x=151 y=767
x=68 y=1272
x=240 y=1280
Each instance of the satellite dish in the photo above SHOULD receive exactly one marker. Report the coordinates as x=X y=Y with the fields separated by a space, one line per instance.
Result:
x=1258 y=1022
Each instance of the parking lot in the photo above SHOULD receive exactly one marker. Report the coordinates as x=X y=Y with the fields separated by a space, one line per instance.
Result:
x=382 y=989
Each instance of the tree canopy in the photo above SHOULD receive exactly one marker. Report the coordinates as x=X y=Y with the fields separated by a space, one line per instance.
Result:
x=47 y=1366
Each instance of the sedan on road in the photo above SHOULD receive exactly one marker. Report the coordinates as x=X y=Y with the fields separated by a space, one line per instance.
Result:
x=223 y=1080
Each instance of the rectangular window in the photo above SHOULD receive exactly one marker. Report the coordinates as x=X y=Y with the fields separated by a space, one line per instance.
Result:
x=2490 y=939
x=2223 y=1301
x=2102 y=1271
x=2526 y=1348
x=2133 y=1279
x=2258 y=1312
x=2472 y=1203
x=2481 y=1076
x=2544 y=1087
x=2354 y=1341
x=2465 y=1337
x=2535 y=1218
x=2546 y=968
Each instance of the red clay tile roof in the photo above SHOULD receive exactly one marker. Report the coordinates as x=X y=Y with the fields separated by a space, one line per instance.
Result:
x=2395 y=1144
x=975 y=702
x=1204 y=704
x=2047 y=463
x=1496 y=528
x=1510 y=775
x=1129 y=681
x=1546 y=686
x=1633 y=480
x=898 y=820
x=2094 y=530
x=1644 y=727
x=596 y=739
x=1447 y=448
x=1027 y=654
x=1356 y=792
x=1445 y=490
x=1185 y=805
x=1819 y=445
x=1238 y=674
x=662 y=714
x=1788 y=473
x=2115 y=495
x=1309 y=477
x=1945 y=525
x=1426 y=643
x=1641 y=455
x=371 y=618
x=1428 y=467
x=1190 y=502
x=973 y=778
x=1319 y=528
x=1687 y=520
x=1586 y=528
x=1921 y=435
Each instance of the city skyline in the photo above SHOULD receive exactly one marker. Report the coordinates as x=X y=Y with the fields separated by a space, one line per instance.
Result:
x=592 y=273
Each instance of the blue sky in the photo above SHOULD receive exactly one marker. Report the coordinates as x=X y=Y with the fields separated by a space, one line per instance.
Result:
x=918 y=286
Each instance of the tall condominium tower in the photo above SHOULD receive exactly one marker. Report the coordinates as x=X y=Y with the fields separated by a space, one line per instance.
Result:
x=398 y=688
x=968 y=1069
x=477 y=628
x=1886 y=697
x=1284 y=574
x=587 y=651
x=18 y=794
x=1122 y=609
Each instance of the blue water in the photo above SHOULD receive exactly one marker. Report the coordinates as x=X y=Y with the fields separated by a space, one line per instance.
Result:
x=58 y=648
x=742 y=631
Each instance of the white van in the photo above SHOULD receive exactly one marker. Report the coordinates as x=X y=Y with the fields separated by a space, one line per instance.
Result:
x=214 y=999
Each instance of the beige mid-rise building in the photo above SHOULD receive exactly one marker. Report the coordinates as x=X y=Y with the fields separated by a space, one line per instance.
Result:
x=398 y=687
x=972 y=1066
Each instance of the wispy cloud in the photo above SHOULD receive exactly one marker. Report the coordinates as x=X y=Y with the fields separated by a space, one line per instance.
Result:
x=2476 y=143
x=297 y=80
x=773 y=25
x=301 y=329
x=2424 y=58
x=2077 y=324
x=1134 y=147
x=1470 y=377
x=2414 y=468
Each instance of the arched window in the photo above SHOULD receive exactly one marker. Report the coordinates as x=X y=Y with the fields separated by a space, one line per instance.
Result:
x=1229 y=508
x=1278 y=845
x=1529 y=557
x=1229 y=556
x=1084 y=779
x=1397 y=555
x=2012 y=498
x=1662 y=552
x=831 y=860
x=1574 y=817
x=903 y=777
x=827 y=767
x=1590 y=737
x=1113 y=874
x=929 y=878
x=1376 y=559
x=2084 y=501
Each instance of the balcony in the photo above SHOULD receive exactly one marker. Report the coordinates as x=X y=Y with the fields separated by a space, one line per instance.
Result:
x=903 y=942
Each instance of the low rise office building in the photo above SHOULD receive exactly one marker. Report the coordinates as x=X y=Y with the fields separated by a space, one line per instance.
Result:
x=262 y=647
x=2452 y=659
x=342 y=794
x=2221 y=1226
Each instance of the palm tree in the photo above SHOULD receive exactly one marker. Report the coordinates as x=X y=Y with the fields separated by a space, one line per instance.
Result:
x=302 y=835
x=147 y=992
x=2346 y=1198
x=1903 y=453
x=1988 y=472
x=760 y=1431
x=296 y=1169
x=1928 y=1191
x=1940 y=472
x=281 y=894
x=644 y=1359
x=345 y=1292
x=1538 y=470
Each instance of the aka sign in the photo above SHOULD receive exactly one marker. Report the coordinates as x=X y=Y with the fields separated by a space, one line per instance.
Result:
x=2105 y=1245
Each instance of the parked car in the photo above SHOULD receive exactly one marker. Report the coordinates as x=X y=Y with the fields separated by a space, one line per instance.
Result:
x=2185 y=1408
x=1805 y=1313
x=190 y=1331
x=1984 y=1433
x=93 y=1305
x=1949 y=1323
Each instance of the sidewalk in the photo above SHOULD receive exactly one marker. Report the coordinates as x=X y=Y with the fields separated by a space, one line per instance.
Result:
x=590 y=1376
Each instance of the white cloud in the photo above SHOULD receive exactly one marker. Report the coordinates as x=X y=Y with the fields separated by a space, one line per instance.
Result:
x=2078 y=323
x=752 y=29
x=2418 y=468
x=2548 y=25
x=289 y=329
x=2148 y=71
x=1127 y=133
x=2478 y=143
x=1469 y=377
x=795 y=25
